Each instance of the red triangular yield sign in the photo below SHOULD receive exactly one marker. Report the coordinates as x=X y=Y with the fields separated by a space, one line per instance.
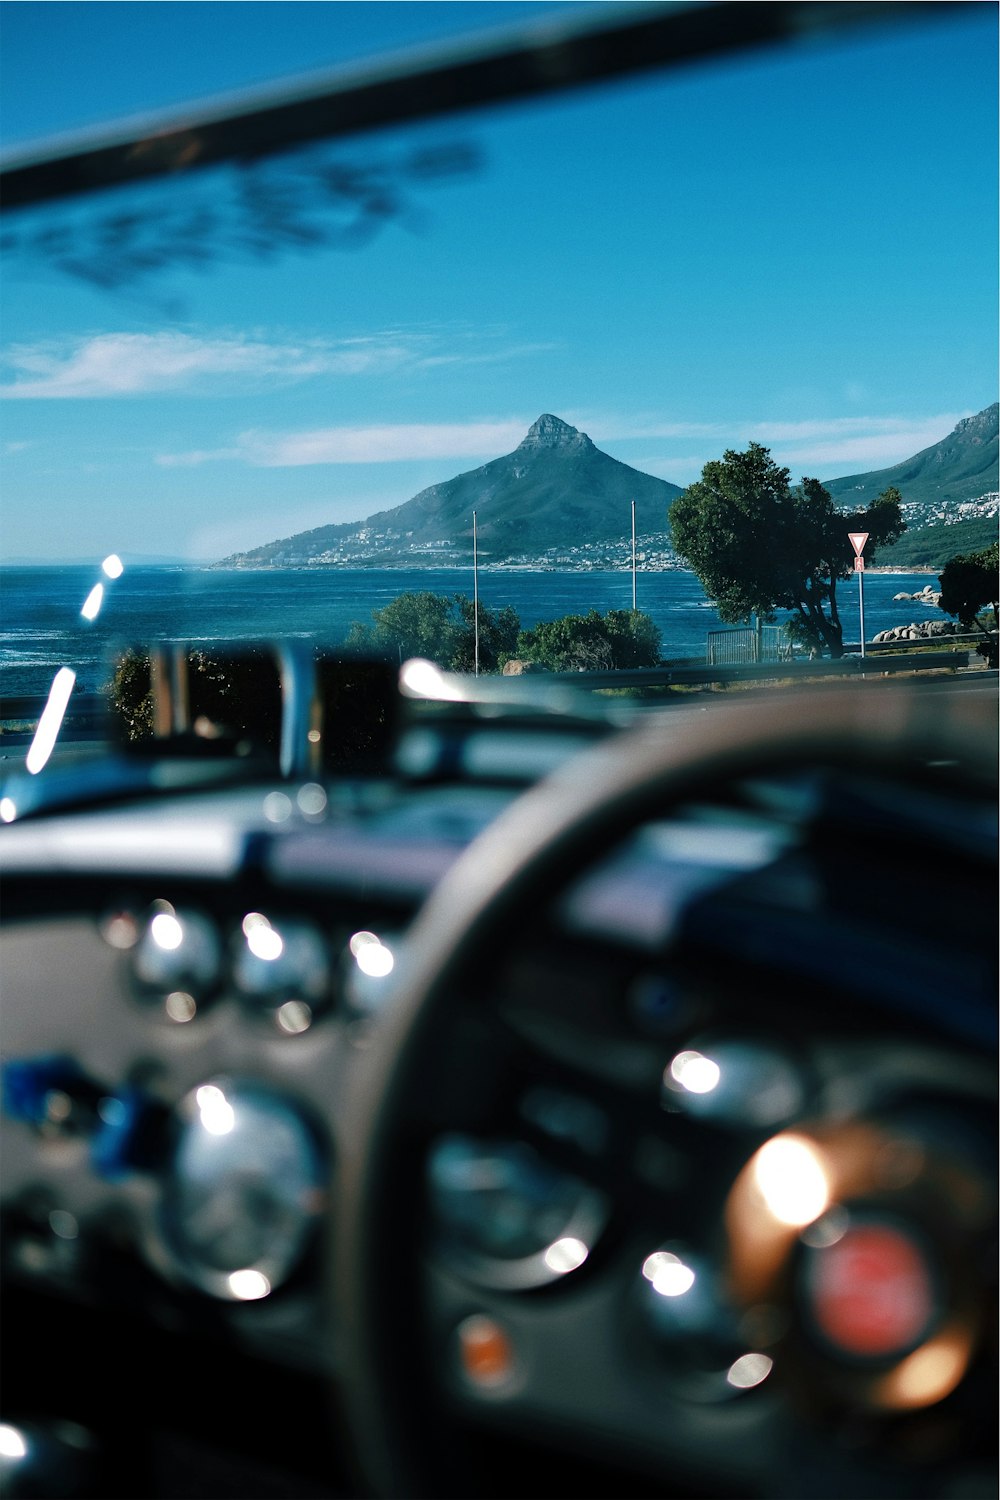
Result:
x=857 y=540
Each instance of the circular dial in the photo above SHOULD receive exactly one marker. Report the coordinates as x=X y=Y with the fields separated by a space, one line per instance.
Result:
x=245 y=1189
x=505 y=1216
x=275 y=962
x=177 y=950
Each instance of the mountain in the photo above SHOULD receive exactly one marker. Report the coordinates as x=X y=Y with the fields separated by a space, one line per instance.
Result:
x=555 y=491
x=961 y=467
x=556 y=488
x=949 y=490
x=559 y=494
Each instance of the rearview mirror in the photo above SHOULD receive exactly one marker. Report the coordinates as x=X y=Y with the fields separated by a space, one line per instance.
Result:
x=310 y=713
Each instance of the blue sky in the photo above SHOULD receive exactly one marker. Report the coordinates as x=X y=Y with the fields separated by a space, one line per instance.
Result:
x=798 y=248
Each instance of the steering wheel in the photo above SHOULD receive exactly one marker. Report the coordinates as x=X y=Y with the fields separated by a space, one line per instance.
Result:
x=412 y=1069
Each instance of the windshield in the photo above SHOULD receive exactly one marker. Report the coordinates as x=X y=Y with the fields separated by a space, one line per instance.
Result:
x=480 y=355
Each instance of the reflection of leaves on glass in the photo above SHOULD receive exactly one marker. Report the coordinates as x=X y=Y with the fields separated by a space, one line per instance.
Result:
x=263 y=210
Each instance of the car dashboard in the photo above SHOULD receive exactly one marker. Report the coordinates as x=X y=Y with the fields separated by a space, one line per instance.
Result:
x=191 y=985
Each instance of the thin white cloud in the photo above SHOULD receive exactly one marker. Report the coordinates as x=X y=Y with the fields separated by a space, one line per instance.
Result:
x=834 y=445
x=484 y=356
x=195 y=457
x=859 y=453
x=135 y=364
x=607 y=429
x=826 y=447
x=768 y=431
x=389 y=443
x=678 y=468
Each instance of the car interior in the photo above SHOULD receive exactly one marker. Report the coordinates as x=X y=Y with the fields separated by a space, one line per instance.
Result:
x=475 y=1086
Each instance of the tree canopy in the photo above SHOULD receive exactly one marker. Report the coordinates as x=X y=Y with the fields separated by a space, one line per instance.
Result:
x=758 y=544
x=969 y=584
x=592 y=642
x=440 y=627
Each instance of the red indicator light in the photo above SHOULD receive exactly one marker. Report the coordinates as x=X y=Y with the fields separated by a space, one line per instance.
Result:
x=485 y=1351
x=871 y=1292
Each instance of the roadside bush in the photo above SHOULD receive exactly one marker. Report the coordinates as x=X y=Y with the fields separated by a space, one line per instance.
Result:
x=592 y=642
x=440 y=627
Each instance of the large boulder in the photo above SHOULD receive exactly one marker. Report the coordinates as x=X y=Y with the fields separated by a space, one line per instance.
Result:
x=919 y=631
x=518 y=668
x=926 y=595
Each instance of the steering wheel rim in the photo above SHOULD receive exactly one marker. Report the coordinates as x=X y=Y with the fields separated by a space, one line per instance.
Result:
x=571 y=818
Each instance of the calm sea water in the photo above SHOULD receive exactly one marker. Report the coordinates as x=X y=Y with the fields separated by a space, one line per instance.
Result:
x=41 y=627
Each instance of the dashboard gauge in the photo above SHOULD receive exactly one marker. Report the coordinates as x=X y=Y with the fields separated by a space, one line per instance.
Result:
x=277 y=962
x=705 y=1352
x=746 y=1085
x=245 y=1189
x=370 y=964
x=507 y=1218
x=178 y=950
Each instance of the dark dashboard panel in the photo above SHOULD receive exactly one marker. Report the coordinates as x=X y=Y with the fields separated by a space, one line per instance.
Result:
x=179 y=1044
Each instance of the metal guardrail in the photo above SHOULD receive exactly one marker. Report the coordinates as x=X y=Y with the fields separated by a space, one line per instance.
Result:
x=916 y=643
x=87 y=712
x=689 y=674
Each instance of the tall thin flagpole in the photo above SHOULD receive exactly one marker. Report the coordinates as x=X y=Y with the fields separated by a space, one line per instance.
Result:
x=475 y=586
x=633 y=557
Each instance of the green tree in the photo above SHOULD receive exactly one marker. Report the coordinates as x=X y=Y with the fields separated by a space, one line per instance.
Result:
x=130 y=695
x=969 y=583
x=498 y=632
x=635 y=640
x=757 y=544
x=440 y=627
x=592 y=642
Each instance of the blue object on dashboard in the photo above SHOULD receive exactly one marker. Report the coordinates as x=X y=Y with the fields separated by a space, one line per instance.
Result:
x=120 y=1143
x=53 y=1091
x=30 y=1084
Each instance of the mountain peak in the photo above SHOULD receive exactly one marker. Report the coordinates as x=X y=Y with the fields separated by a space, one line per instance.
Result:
x=553 y=432
x=982 y=426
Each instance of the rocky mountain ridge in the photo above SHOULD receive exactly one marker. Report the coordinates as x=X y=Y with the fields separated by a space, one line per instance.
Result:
x=952 y=480
x=554 y=495
x=558 y=501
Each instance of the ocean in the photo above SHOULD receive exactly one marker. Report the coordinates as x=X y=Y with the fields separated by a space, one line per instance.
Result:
x=41 y=627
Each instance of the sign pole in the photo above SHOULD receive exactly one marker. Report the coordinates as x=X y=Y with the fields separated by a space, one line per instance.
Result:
x=633 y=557
x=857 y=540
x=475 y=587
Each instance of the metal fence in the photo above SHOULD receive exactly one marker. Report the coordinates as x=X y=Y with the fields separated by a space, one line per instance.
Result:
x=747 y=646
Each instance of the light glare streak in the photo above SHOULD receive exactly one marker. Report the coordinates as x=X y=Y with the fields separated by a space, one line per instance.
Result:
x=790 y=1176
x=669 y=1275
x=749 y=1370
x=249 y=1285
x=92 y=604
x=695 y=1073
x=12 y=1442
x=51 y=720
x=217 y=1114
x=566 y=1255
